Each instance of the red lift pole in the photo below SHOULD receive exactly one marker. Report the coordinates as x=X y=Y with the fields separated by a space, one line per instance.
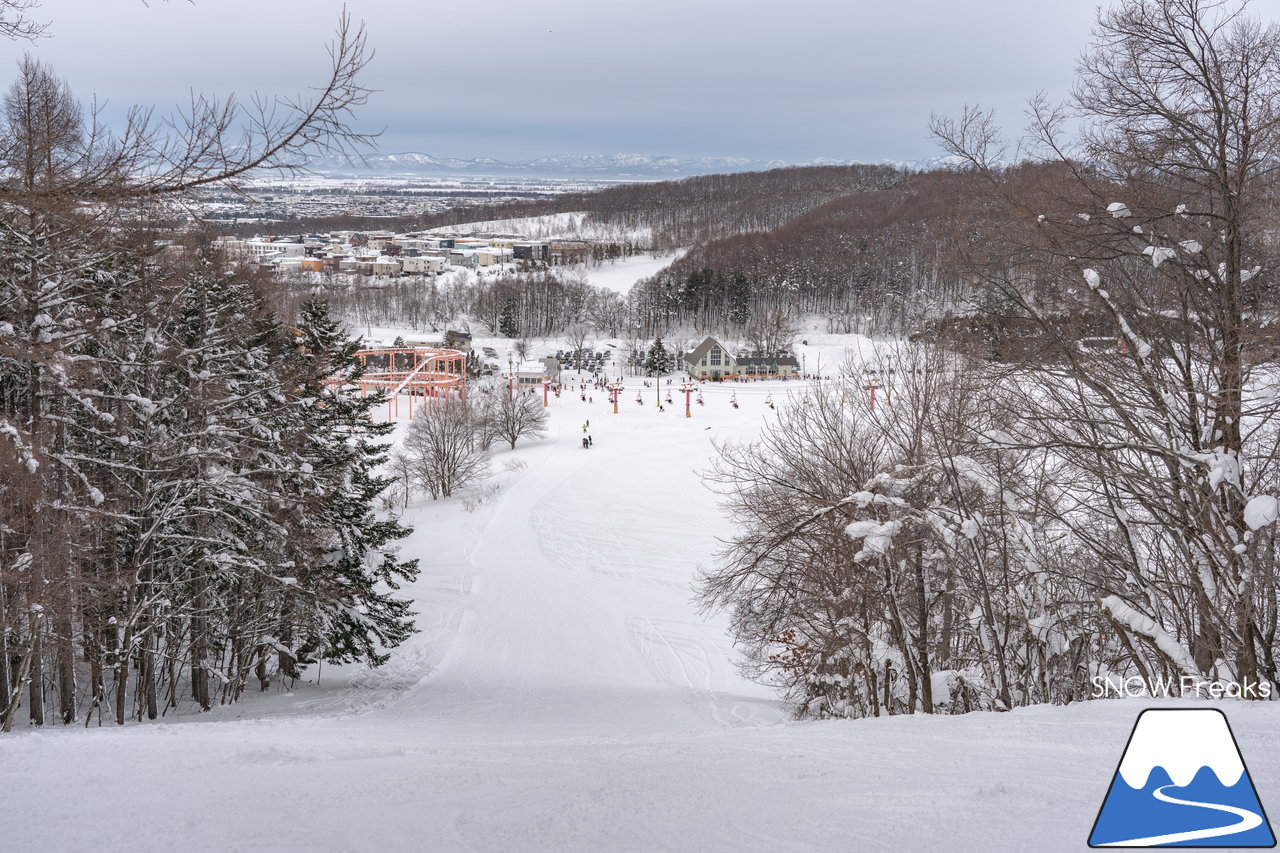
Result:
x=687 y=388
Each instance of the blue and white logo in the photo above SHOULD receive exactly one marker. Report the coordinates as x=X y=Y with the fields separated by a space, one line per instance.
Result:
x=1181 y=783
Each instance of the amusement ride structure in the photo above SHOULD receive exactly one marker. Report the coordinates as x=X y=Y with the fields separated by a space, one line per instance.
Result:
x=424 y=373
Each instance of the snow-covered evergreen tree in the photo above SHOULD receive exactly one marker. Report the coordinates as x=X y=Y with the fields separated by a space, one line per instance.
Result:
x=350 y=570
x=658 y=361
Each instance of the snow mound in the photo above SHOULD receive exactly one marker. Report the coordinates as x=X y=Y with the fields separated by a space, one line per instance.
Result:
x=1261 y=511
x=876 y=538
x=1159 y=254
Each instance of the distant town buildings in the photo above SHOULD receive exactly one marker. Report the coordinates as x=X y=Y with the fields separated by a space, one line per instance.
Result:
x=390 y=254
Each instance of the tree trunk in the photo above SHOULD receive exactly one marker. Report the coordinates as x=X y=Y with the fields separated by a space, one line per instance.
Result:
x=65 y=661
x=199 y=655
x=922 y=635
x=15 y=696
x=36 y=683
x=149 y=676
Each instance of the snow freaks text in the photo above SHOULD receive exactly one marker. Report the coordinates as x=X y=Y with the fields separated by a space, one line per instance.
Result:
x=1188 y=686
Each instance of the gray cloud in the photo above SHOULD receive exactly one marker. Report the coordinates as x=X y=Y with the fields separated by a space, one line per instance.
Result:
x=516 y=79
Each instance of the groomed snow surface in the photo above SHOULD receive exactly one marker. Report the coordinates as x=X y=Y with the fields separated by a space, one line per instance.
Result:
x=618 y=275
x=564 y=695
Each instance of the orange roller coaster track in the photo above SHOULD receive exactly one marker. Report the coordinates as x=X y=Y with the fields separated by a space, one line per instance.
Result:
x=423 y=373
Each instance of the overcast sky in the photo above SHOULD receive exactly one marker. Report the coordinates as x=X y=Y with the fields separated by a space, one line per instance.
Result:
x=516 y=79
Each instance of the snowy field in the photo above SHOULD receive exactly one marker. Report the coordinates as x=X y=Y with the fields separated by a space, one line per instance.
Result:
x=621 y=275
x=618 y=276
x=564 y=695
x=571 y=225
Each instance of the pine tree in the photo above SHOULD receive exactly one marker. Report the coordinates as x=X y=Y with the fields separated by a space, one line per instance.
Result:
x=349 y=555
x=509 y=320
x=658 y=361
x=216 y=512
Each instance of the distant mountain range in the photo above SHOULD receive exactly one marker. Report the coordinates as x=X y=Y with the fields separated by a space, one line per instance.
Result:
x=631 y=166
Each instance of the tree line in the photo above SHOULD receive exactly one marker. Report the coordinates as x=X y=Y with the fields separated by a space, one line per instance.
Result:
x=187 y=481
x=1003 y=534
x=515 y=304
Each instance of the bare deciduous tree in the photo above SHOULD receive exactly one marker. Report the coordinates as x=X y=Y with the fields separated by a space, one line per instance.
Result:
x=609 y=313
x=16 y=21
x=1155 y=226
x=511 y=417
x=579 y=337
x=771 y=331
x=893 y=559
x=214 y=141
x=443 y=448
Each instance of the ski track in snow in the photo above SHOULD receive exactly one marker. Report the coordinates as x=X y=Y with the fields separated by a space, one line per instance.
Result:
x=564 y=695
x=1248 y=820
x=568 y=571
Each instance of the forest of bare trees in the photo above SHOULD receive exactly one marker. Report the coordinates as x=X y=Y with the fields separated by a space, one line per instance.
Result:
x=518 y=305
x=1003 y=535
x=895 y=559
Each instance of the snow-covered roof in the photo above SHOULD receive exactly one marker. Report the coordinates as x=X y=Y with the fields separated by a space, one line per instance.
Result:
x=530 y=366
x=704 y=348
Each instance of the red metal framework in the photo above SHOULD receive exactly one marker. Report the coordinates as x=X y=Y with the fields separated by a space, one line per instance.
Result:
x=423 y=373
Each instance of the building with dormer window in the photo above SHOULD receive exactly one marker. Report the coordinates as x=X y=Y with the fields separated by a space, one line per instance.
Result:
x=713 y=360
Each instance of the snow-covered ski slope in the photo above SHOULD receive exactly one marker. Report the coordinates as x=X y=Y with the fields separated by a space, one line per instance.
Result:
x=573 y=225
x=564 y=695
